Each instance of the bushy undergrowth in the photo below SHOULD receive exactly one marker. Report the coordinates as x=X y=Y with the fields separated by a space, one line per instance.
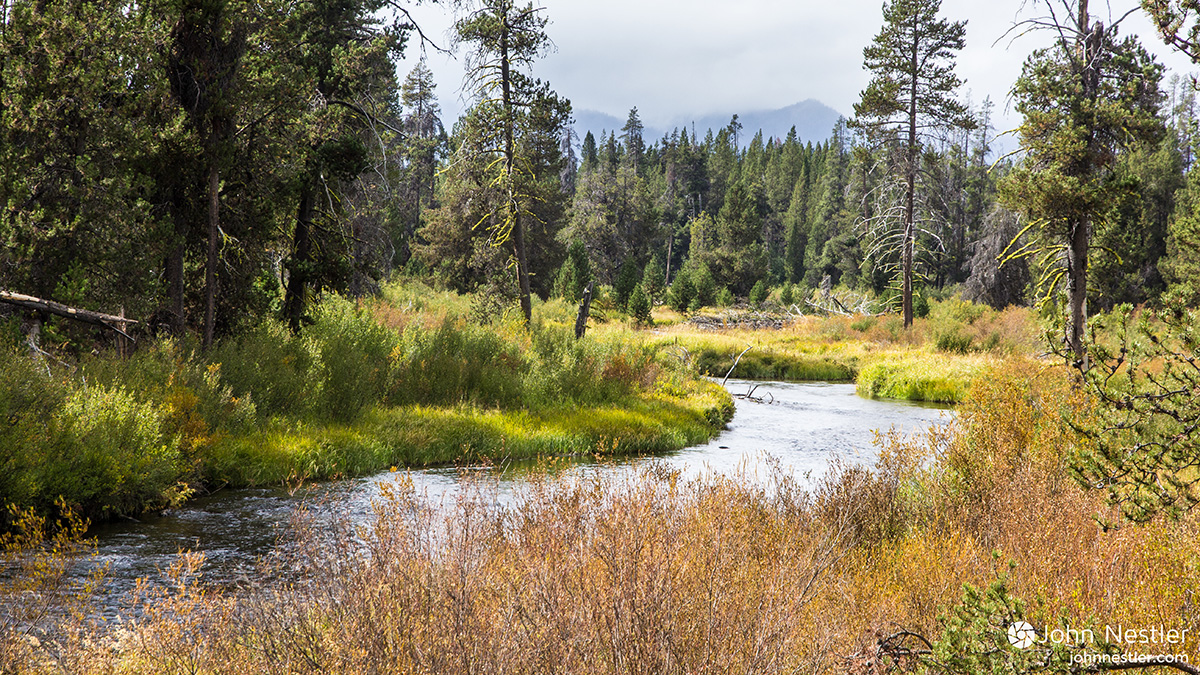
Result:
x=922 y=562
x=100 y=445
x=347 y=396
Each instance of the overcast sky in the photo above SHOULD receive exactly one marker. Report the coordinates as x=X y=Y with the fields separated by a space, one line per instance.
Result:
x=677 y=58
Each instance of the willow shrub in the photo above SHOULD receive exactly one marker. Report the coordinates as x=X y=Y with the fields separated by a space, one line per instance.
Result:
x=99 y=445
x=348 y=395
x=455 y=363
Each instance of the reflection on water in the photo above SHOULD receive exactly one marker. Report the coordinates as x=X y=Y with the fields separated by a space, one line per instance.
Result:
x=804 y=426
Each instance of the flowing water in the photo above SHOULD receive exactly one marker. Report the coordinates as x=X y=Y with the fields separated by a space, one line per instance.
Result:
x=804 y=426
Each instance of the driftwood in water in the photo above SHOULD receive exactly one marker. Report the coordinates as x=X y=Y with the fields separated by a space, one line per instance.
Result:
x=114 y=323
x=585 y=308
x=735 y=362
x=749 y=396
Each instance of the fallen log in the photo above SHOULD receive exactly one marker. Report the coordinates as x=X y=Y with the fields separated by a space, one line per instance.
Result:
x=108 y=321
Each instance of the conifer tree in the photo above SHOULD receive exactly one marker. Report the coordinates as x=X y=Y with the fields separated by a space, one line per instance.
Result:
x=507 y=38
x=589 y=154
x=626 y=281
x=652 y=279
x=206 y=49
x=424 y=143
x=639 y=307
x=1084 y=100
x=635 y=146
x=910 y=96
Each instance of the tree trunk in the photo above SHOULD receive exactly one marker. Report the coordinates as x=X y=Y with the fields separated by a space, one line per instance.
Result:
x=518 y=231
x=1077 y=285
x=667 y=274
x=585 y=308
x=114 y=323
x=297 y=288
x=175 y=280
x=1080 y=232
x=210 y=268
x=181 y=215
x=910 y=187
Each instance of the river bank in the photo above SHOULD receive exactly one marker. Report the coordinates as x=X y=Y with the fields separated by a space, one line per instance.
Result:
x=803 y=429
x=935 y=360
x=406 y=380
x=367 y=387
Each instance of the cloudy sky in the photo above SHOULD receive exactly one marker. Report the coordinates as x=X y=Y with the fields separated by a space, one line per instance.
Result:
x=677 y=58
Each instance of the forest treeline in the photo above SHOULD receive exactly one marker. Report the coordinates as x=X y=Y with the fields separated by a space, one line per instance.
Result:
x=202 y=164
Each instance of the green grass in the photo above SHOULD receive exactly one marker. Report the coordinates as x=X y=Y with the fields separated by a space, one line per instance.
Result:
x=935 y=361
x=421 y=436
x=408 y=380
x=920 y=376
x=767 y=364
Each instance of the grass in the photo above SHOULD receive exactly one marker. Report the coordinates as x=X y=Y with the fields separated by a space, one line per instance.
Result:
x=936 y=360
x=408 y=380
x=918 y=376
x=422 y=436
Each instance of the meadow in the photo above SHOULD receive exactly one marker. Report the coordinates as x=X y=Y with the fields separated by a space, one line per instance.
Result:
x=918 y=564
x=935 y=361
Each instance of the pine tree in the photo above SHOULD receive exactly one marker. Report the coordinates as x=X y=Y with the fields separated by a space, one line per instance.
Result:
x=652 y=279
x=506 y=40
x=635 y=146
x=1084 y=101
x=207 y=45
x=787 y=295
x=795 y=224
x=564 y=283
x=627 y=281
x=910 y=96
x=758 y=294
x=639 y=307
x=346 y=85
x=424 y=143
x=591 y=158
x=577 y=258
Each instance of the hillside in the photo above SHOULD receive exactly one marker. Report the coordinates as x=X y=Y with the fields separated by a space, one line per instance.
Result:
x=813 y=121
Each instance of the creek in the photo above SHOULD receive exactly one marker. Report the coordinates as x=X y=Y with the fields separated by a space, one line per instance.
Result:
x=802 y=427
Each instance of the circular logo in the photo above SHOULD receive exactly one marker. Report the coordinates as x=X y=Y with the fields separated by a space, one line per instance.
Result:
x=1021 y=635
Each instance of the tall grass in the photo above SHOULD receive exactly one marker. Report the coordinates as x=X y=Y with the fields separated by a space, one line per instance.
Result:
x=366 y=387
x=917 y=376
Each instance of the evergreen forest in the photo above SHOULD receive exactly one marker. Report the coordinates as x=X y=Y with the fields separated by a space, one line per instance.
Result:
x=203 y=165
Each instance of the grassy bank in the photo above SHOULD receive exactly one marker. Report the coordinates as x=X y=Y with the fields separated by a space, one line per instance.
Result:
x=936 y=360
x=951 y=538
x=402 y=381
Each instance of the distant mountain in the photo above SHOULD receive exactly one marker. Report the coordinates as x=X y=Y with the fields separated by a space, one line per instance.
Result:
x=813 y=121
x=601 y=123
